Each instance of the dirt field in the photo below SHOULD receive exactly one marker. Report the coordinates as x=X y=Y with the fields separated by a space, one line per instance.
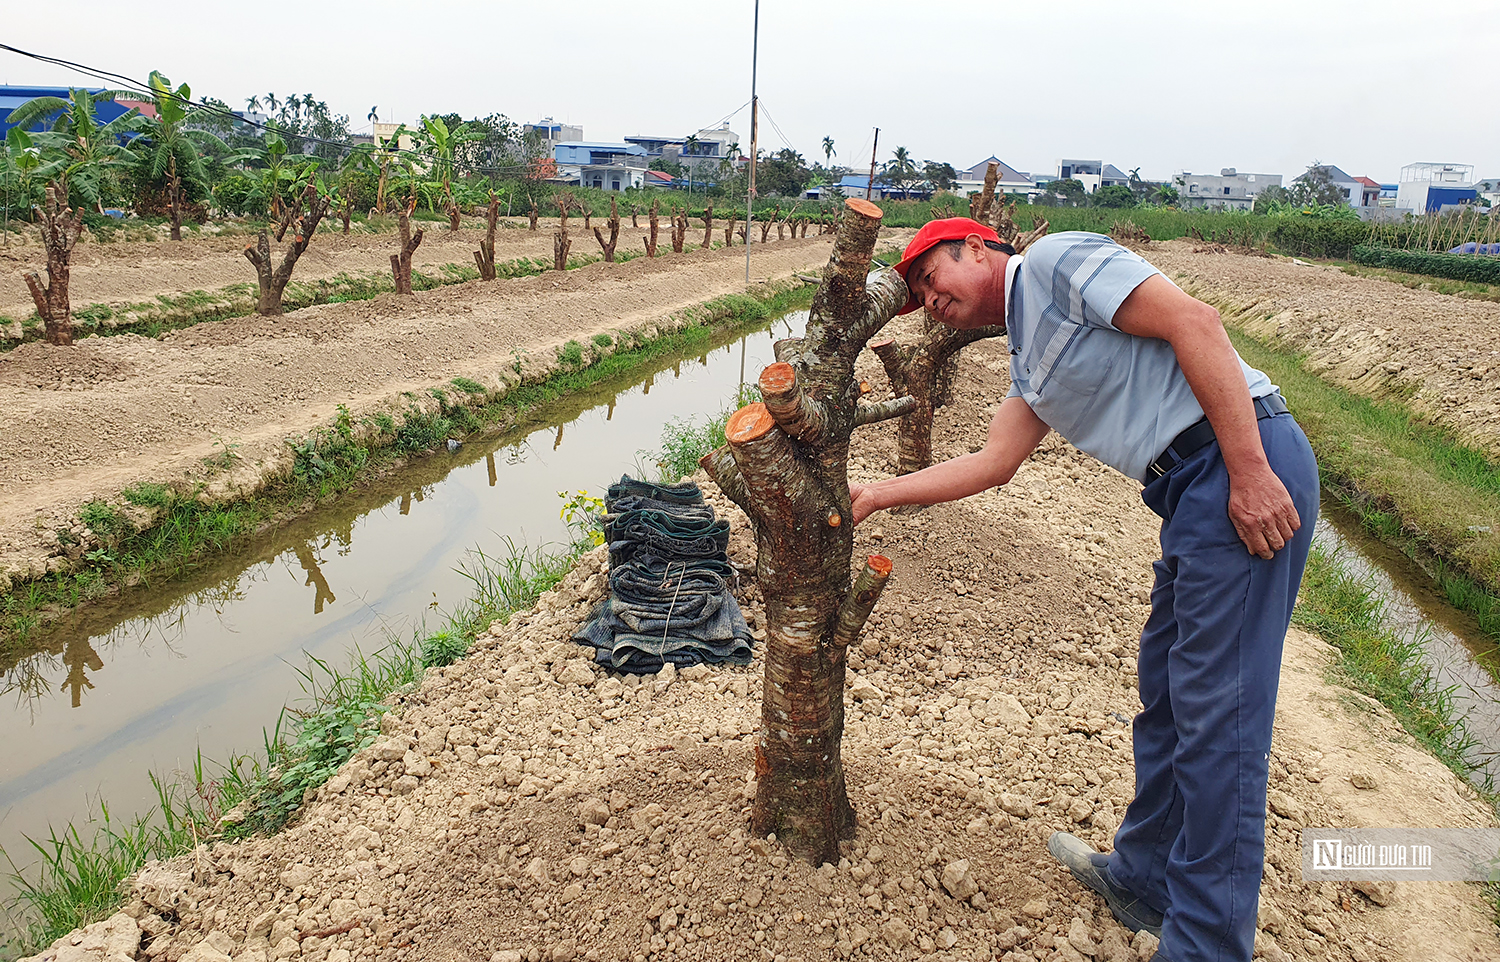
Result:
x=88 y=421
x=124 y=272
x=523 y=805
x=1373 y=336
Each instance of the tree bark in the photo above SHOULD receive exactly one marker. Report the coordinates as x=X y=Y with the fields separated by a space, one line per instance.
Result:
x=729 y=231
x=348 y=212
x=786 y=465
x=979 y=204
x=679 y=229
x=292 y=213
x=655 y=223
x=532 y=226
x=174 y=196
x=560 y=246
x=635 y=211
x=401 y=261
x=768 y=223
x=708 y=227
x=923 y=372
x=453 y=217
x=273 y=281
x=485 y=256
x=614 y=233
x=61 y=228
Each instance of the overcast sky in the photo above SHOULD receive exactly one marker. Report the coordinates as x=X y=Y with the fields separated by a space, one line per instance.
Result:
x=1163 y=86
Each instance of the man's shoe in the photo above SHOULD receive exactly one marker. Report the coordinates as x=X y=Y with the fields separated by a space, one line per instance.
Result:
x=1092 y=869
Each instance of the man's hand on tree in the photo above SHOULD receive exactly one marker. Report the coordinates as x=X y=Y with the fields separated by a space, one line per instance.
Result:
x=862 y=497
x=1262 y=512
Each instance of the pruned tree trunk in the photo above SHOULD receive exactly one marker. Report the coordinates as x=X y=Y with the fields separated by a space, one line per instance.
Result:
x=348 y=212
x=380 y=192
x=174 y=196
x=453 y=217
x=61 y=228
x=786 y=464
x=1037 y=232
x=534 y=215
x=655 y=223
x=708 y=227
x=485 y=256
x=979 y=204
x=924 y=371
x=564 y=201
x=401 y=261
x=560 y=245
x=273 y=280
x=614 y=233
x=729 y=231
x=634 y=218
x=767 y=224
x=587 y=213
x=679 y=229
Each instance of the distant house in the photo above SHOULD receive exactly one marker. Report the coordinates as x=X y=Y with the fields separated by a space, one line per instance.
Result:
x=1354 y=189
x=1229 y=189
x=552 y=133
x=607 y=166
x=13 y=97
x=1489 y=189
x=1426 y=188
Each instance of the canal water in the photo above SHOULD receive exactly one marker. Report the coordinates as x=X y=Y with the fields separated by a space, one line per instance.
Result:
x=141 y=683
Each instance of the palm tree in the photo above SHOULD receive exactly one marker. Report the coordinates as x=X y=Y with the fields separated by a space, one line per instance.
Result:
x=272 y=103
x=84 y=153
x=828 y=152
x=901 y=170
x=373 y=117
x=252 y=103
x=690 y=145
x=172 y=149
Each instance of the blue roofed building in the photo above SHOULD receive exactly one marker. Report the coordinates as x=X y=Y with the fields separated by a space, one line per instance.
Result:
x=13 y=97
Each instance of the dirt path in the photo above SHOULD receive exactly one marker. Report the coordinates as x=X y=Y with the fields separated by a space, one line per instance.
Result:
x=1373 y=336
x=87 y=421
x=523 y=805
x=128 y=272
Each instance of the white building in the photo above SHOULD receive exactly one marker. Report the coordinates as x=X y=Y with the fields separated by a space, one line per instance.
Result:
x=1229 y=189
x=1012 y=181
x=1425 y=188
x=552 y=133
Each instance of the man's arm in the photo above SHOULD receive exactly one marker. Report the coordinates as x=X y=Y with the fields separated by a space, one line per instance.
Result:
x=1259 y=506
x=1014 y=434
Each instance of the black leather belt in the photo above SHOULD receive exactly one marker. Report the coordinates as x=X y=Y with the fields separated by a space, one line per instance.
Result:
x=1198 y=435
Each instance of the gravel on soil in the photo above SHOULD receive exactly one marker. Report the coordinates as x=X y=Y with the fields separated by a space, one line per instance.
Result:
x=523 y=804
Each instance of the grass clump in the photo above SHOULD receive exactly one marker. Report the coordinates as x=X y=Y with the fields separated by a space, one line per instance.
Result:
x=571 y=354
x=685 y=440
x=603 y=340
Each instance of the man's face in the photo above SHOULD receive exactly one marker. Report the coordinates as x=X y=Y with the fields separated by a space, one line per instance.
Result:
x=963 y=293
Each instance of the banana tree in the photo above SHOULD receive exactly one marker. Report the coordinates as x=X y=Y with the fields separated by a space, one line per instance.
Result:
x=21 y=162
x=379 y=156
x=172 y=148
x=79 y=153
x=443 y=143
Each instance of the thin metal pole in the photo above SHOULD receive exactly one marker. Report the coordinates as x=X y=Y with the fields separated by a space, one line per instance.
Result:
x=870 y=184
x=754 y=153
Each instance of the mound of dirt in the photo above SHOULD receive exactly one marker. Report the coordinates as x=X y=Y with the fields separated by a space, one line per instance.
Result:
x=523 y=804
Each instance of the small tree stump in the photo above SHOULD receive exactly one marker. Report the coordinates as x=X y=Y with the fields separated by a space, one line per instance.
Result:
x=60 y=227
x=273 y=281
x=614 y=233
x=401 y=261
x=708 y=227
x=560 y=245
x=485 y=256
x=655 y=223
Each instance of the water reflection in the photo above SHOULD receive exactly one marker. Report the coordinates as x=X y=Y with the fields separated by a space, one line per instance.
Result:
x=209 y=658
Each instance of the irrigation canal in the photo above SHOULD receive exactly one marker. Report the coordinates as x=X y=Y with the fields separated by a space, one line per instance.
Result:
x=142 y=682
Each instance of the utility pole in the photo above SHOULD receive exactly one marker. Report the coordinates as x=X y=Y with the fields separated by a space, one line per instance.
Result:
x=754 y=153
x=870 y=184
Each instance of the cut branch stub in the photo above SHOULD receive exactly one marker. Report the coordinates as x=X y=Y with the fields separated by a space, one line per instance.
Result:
x=860 y=600
x=800 y=416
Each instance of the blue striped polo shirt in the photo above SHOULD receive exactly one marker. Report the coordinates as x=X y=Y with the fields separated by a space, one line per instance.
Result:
x=1118 y=397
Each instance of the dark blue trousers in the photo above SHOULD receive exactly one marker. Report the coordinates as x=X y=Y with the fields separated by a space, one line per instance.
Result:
x=1192 y=843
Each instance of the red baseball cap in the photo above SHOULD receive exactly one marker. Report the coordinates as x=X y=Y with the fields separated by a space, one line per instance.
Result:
x=935 y=232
